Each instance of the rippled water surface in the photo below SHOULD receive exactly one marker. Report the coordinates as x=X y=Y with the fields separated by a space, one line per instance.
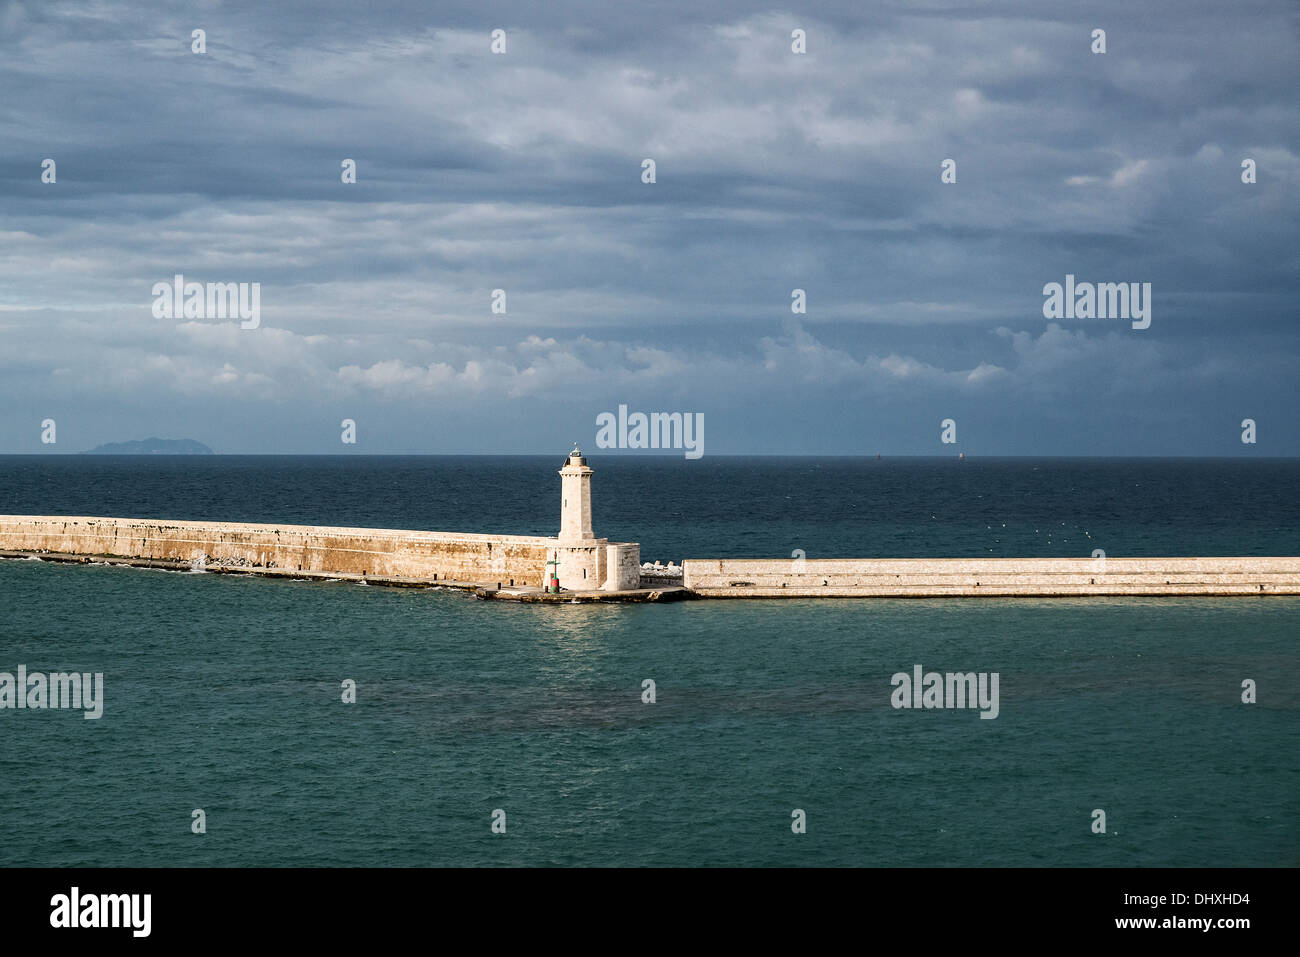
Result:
x=223 y=693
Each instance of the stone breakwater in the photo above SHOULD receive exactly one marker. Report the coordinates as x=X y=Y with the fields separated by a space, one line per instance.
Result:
x=513 y=567
x=989 y=577
x=365 y=552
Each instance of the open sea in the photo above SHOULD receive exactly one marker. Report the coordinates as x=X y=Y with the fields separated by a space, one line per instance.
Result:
x=223 y=693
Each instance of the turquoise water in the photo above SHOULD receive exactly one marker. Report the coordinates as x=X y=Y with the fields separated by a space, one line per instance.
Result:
x=223 y=693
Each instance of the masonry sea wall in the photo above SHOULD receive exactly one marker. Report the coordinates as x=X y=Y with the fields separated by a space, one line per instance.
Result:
x=361 y=551
x=591 y=565
x=990 y=577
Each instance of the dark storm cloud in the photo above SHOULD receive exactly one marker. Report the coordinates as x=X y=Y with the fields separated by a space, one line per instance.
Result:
x=775 y=171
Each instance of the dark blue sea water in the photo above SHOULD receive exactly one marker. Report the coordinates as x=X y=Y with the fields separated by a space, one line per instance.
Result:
x=716 y=507
x=223 y=693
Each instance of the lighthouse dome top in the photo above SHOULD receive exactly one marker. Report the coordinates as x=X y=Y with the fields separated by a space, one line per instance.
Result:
x=576 y=457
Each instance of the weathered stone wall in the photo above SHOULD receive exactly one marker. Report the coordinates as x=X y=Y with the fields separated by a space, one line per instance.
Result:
x=623 y=566
x=370 y=551
x=933 y=577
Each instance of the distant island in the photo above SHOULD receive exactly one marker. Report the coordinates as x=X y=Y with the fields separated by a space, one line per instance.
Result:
x=152 y=447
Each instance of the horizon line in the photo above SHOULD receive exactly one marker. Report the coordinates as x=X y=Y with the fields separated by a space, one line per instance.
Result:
x=671 y=454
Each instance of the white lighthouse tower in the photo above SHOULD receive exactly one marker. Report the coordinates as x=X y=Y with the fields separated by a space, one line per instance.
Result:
x=575 y=508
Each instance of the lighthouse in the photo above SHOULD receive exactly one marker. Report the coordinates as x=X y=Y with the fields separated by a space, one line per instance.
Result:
x=575 y=491
x=576 y=558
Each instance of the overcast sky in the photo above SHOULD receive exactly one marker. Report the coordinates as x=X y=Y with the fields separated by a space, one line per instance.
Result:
x=522 y=171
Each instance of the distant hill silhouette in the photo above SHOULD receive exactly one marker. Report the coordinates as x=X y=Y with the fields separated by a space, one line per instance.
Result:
x=152 y=447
